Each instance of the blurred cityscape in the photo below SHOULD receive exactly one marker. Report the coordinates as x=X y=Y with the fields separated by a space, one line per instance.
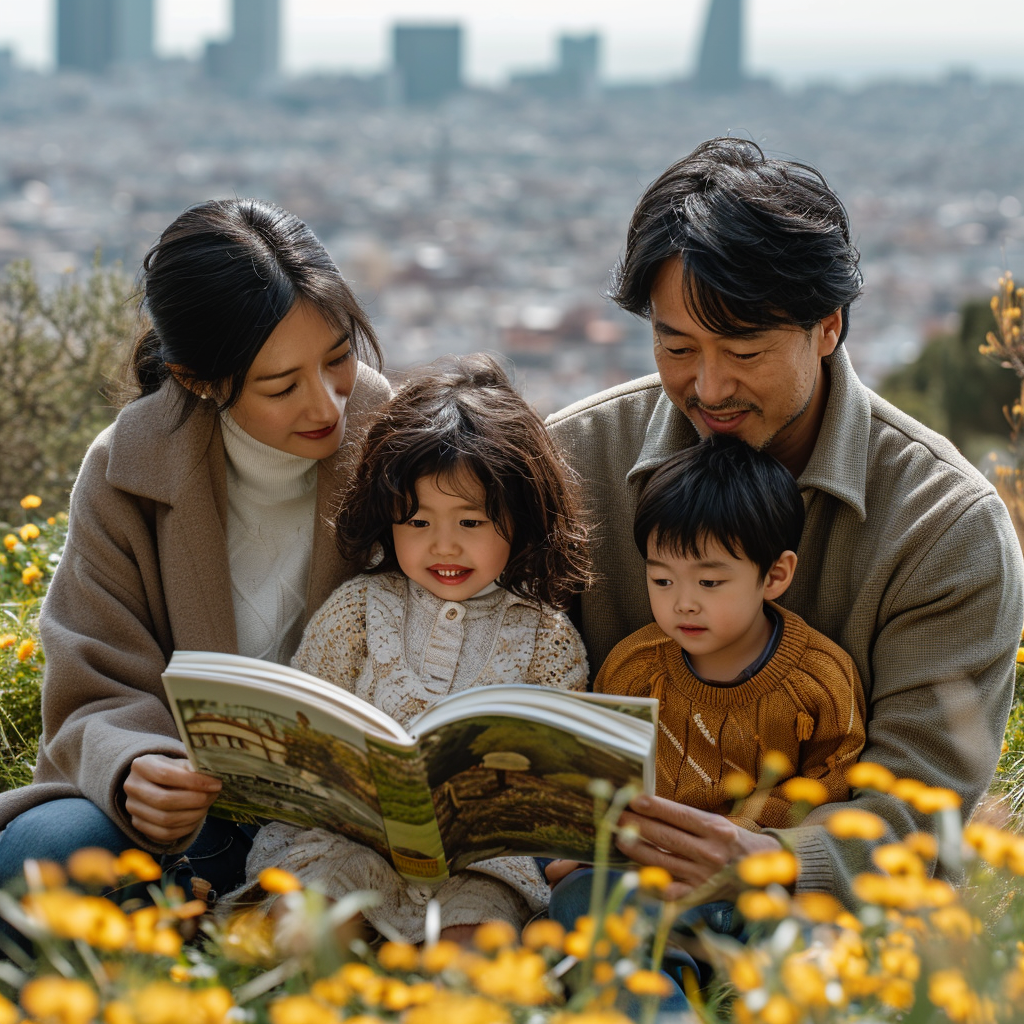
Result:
x=489 y=219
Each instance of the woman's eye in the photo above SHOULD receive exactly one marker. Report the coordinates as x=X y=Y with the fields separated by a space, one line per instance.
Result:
x=281 y=394
x=340 y=360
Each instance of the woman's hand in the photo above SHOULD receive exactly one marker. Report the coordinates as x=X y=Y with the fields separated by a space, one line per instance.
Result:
x=692 y=845
x=166 y=799
x=558 y=869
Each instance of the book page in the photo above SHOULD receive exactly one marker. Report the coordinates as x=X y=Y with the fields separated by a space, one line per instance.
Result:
x=286 y=759
x=506 y=784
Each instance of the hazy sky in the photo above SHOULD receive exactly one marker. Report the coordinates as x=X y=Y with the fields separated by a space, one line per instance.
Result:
x=793 y=40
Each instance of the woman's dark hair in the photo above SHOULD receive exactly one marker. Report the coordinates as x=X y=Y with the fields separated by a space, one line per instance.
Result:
x=764 y=243
x=722 y=490
x=220 y=279
x=460 y=417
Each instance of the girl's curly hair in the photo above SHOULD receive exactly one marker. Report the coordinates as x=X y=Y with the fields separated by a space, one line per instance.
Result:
x=463 y=416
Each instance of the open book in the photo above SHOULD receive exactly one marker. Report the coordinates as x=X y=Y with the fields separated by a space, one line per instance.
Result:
x=488 y=772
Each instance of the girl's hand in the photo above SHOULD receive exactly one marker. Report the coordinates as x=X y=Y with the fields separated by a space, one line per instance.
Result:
x=558 y=869
x=166 y=799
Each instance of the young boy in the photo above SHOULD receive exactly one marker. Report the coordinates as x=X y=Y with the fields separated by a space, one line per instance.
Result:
x=736 y=675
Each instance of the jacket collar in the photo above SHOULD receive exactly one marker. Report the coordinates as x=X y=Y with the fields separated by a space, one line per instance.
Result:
x=839 y=462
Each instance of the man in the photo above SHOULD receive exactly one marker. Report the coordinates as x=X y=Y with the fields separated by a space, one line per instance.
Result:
x=745 y=268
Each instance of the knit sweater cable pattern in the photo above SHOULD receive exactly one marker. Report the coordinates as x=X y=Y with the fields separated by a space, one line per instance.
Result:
x=806 y=703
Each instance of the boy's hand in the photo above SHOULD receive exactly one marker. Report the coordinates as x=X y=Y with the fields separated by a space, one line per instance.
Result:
x=558 y=869
x=166 y=799
x=692 y=845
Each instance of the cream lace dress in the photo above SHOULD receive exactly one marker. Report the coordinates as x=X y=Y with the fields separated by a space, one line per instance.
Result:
x=396 y=645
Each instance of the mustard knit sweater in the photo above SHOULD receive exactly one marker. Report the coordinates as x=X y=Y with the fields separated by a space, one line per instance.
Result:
x=806 y=703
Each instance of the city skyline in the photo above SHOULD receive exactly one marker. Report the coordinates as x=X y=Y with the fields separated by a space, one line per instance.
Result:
x=792 y=41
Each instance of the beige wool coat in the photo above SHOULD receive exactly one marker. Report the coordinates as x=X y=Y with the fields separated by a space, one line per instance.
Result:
x=145 y=572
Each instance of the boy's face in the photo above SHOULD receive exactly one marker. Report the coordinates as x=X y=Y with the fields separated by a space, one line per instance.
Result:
x=712 y=606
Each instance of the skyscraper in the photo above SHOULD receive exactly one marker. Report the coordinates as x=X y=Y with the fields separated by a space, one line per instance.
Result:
x=252 y=56
x=427 y=62
x=94 y=34
x=720 y=65
x=577 y=63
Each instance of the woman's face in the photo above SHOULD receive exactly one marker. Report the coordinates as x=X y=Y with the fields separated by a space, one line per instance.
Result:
x=297 y=387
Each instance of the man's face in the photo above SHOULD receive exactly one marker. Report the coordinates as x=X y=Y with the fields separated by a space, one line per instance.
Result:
x=767 y=388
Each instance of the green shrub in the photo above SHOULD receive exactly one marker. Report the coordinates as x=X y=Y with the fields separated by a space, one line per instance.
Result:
x=59 y=354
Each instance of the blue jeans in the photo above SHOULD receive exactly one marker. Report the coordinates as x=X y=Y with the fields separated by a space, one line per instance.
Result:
x=570 y=899
x=54 y=830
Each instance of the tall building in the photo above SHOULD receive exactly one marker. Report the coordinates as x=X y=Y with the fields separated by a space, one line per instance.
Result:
x=252 y=56
x=720 y=64
x=576 y=76
x=578 y=58
x=427 y=62
x=92 y=35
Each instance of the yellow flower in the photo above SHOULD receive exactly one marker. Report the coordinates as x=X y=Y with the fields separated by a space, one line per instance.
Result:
x=648 y=983
x=26 y=649
x=819 y=907
x=949 y=991
x=456 y=1008
x=51 y=521
x=746 y=970
x=441 y=955
x=513 y=975
x=897 y=859
x=66 y=1000
x=213 y=1005
x=906 y=789
x=7 y=640
x=780 y=1010
x=804 y=981
x=10 y=542
x=851 y=823
x=757 y=905
x=1020 y=655
x=93 y=865
x=866 y=775
x=761 y=869
x=279 y=881
x=807 y=791
x=654 y=878
x=28 y=532
x=956 y=923
x=604 y=973
x=494 y=935
x=543 y=934
x=930 y=799
x=301 y=1010
x=925 y=845
x=138 y=864
x=31 y=501
x=8 y=1012
x=31 y=574
x=737 y=785
x=775 y=764
x=331 y=990
x=621 y=929
x=398 y=956
x=897 y=993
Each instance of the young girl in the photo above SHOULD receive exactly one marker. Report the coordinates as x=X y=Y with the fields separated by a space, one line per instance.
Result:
x=471 y=514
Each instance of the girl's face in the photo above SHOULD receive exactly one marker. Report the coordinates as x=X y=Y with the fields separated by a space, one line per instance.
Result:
x=450 y=547
x=298 y=385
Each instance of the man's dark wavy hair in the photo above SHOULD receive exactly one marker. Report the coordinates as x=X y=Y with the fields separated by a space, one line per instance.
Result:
x=464 y=416
x=722 y=490
x=764 y=243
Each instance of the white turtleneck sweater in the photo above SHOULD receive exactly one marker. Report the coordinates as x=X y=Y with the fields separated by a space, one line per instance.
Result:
x=271 y=515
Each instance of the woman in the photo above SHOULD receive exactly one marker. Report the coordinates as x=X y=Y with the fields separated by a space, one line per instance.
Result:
x=198 y=521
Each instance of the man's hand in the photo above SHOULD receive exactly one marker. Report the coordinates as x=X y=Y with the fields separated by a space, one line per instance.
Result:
x=166 y=799
x=691 y=845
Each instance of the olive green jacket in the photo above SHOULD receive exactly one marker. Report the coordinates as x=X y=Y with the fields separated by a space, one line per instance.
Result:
x=908 y=561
